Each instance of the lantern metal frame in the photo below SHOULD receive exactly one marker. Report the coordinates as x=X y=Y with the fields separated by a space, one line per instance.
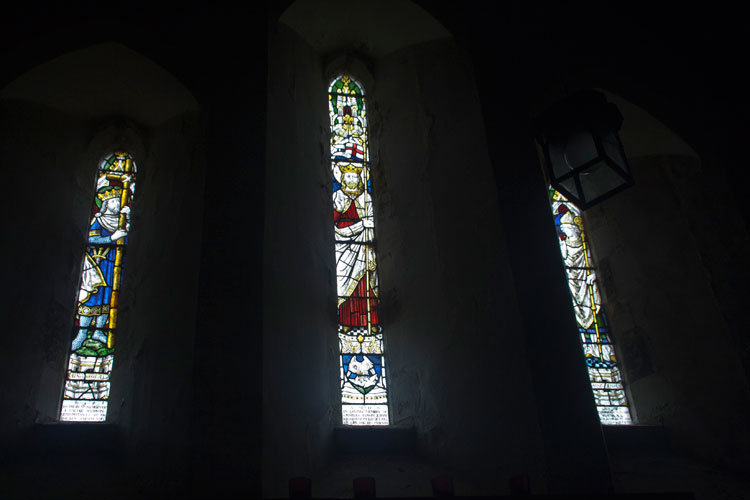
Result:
x=587 y=111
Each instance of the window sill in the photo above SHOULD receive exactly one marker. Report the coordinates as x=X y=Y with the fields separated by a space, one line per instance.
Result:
x=376 y=439
x=635 y=438
x=76 y=438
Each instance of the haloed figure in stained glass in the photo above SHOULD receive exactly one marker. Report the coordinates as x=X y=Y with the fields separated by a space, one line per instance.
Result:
x=109 y=225
x=581 y=277
x=362 y=362
x=604 y=374
x=86 y=392
x=357 y=279
x=356 y=270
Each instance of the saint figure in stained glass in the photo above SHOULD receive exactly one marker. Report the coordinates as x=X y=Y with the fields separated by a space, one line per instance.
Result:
x=604 y=374
x=357 y=277
x=95 y=293
x=361 y=363
x=581 y=276
x=92 y=349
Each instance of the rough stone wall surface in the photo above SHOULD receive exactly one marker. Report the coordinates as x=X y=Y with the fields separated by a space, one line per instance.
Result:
x=43 y=157
x=445 y=269
x=667 y=249
x=299 y=329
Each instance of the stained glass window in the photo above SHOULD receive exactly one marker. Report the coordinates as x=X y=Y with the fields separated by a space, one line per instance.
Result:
x=362 y=372
x=86 y=391
x=593 y=327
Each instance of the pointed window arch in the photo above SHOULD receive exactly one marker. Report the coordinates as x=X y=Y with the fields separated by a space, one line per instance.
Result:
x=364 y=396
x=87 y=382
x=593 y=326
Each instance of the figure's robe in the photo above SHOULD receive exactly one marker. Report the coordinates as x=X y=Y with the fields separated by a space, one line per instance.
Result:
x=98 y=269
x=356 y=268
x=586 y=299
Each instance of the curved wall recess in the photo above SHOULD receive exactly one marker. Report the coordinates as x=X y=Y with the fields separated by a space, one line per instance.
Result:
x=372 y=28
x=351 y=64
x=642 y=134
x=118 y=134
x=104 y=80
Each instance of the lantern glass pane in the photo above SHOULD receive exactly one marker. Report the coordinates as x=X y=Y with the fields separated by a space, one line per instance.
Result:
x=579 y=149
x=556 y=150
x=598 y=180
x=570 y=185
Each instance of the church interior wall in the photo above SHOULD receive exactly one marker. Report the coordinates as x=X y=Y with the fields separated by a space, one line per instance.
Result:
x=680 y=337
x=677 y=349
x=299 y=391
x=225 y=379
x=51 y=158
x=446 y=254
x=694 y=238
x=446 y=291
x=44 y=144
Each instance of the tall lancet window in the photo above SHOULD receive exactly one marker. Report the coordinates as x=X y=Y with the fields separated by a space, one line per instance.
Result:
x=593 y=327
x=86 y=391
x=364 y=397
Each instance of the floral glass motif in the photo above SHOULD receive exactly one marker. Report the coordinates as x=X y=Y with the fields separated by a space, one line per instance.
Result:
x=361 y=361
x=87 y=382
x=604 y=374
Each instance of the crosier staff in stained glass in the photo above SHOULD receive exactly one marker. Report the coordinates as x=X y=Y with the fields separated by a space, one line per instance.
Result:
x=98 y=294
x=601 y=361
x=581 y=280
x=585 y=298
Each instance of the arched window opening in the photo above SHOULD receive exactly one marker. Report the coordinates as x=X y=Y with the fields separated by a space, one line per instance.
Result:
x=604 y=374
x=364 y=396
x=87 y=382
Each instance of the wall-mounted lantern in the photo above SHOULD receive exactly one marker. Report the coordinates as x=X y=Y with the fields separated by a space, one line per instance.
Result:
x=583 y=154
